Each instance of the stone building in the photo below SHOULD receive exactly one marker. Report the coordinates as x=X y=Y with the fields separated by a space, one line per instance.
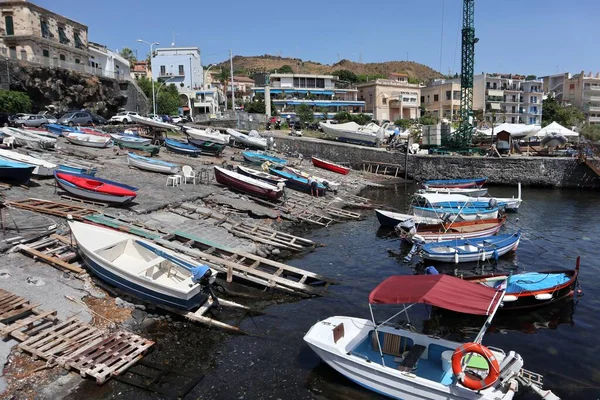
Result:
x=32 y=33
x=442 y=98
x=391 y=99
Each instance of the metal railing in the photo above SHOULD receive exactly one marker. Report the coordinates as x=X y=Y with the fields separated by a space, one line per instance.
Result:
x=79 y=67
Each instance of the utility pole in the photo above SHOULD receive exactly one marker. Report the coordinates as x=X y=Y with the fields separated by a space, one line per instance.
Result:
x=231 y=79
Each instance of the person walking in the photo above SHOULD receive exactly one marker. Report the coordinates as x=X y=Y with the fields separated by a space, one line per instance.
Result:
x=314 y=187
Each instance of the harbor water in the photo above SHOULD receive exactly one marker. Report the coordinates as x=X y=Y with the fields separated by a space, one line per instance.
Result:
x=559 y=341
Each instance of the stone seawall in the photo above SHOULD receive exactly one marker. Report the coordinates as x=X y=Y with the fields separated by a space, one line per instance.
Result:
x=532 y=171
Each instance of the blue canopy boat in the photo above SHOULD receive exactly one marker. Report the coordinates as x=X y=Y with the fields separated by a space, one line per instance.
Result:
x=182 y=148
x=471 y=250
x=59 y=130
x=455 y=183
x=258 y=158
x=297 y=182
x=15 y=172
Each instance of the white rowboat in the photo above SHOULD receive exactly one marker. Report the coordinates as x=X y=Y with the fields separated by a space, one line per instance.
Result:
x=42 y=167
x=83 y=139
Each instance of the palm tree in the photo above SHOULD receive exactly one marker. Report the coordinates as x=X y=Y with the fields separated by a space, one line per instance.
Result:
x=129 y=55
x=223 y=78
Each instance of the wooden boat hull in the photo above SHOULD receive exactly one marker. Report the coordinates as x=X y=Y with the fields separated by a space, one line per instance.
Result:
x=92 y=194
x=41 y=168
x=317 y=162
x=454 y=230
x=464 y=215
x=207 y=146
x=472 y=192
x=261 y=176
x=87 y=140
x=460 y=251
x=297 y=182
x=248 y=141
x=391 y=219
x=152 y=165
x=182 y=148
x=247 y=187
x=119 y=139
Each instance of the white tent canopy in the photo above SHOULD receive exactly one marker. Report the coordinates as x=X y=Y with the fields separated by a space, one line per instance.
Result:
x=555 y=128
x=515 y=130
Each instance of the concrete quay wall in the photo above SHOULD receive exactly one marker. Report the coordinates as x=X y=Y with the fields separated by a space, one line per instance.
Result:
x=531 y=171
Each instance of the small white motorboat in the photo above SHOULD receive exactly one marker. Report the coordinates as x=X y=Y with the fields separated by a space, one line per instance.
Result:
x=42 y=167
x=472 y=192
x=252 y=139
x=208 y=134
x=441 y=199
x=396 y=361
x=130 y=139
x=24 y=138
x=87 y=140
x=152 y=164
x=369 y=134
x=150 y=122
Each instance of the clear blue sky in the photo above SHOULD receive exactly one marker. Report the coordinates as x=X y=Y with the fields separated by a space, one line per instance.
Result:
x=517 y=36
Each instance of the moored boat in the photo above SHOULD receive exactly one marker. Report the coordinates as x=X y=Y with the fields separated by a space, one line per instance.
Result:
x=41 y=167
x=413 y=232
x=463 y=213
x=260 y=175
x=122 y=139
x=84 y=139
x=391 y=219
x=472 y=192
x=331 y=166
x=182 y=148
x=207 y=147
x=454 y=200
x=470 y=250
x=152 y=150
x=369 y=134
x=455 y=183
x=15 y=172
x=297 y=182
x=152 y=164
x=256 y=157
x=252 y=139
x=90 y=187
x=247 y=184
x=206 y=135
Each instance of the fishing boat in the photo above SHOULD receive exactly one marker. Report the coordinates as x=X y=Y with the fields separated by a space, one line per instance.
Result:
x=455 y=183
x=152 y=164
x=412 y=232
x=140 y=268
x=60 y=130
x=391 y=219
x=463 y=213
x=369 y=134
x=29 y=139
x=470 y=250
x=531 y=289
x=152 y=150
x=150 y=122
x=252 y=139
x=297 y=182
x=442 y=199
x=328 y=183
x=66 y=165
x=391 y=358
x=256 y=157
x=247 y=184
x=472 y=192
x=15 y=172
x=260 y=175
x=93 y=131
x=84 y=139
x=206 y=135
x=331 y=166
x=41 y=167
x=39 y=131
x=122 y=139
x=90 y=187
x=182 y=148
x=207 y=147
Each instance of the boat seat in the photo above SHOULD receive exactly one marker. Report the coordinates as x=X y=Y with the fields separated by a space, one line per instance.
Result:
x=410 y=361
x=392 y=344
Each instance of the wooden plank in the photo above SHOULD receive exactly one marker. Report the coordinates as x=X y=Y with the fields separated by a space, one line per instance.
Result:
x=7 y=330
x=51 y=260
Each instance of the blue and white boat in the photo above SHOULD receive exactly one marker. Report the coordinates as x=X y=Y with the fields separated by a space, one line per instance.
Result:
x=42 y=168
x=465 y=213
x=256 y=157
x=182 y=148
x=297 y=182
x=471 y=250
x=15 y=172
x=458 y=200
x=152 y=164
x=130 y=139
x=140 y=268
x=61 y=130
x=455 y=183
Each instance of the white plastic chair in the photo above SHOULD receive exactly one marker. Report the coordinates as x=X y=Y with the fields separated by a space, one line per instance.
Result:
x=188 y=173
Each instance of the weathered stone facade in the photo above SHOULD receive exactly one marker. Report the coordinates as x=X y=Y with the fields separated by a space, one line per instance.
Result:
x=532 y=171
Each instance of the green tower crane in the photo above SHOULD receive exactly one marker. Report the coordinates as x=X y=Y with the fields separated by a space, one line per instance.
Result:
x=462 y=137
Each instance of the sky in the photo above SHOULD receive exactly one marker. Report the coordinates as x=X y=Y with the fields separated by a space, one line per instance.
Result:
x=538 y=37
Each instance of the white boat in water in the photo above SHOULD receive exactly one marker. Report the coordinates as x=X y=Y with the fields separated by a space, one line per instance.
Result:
x=370 y=134
x=150 y=122
x=252 y=139
x=396 y=361
x=25 y=138
x=42 y=167
x=473 y=192
x=439 y=199
x=84 y=139
x=208 y=134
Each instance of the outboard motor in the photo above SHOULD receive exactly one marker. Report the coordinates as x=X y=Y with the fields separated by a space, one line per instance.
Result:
x=431 y=270
x=406 y=228
x=203 y=275
x=268 y=126
x=492 y=203
x=510 y=367
x=446 y=217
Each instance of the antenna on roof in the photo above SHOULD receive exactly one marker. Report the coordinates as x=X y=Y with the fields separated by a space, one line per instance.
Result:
x=173 y=42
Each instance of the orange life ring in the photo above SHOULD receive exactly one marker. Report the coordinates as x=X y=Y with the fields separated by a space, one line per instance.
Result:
x=466 y=380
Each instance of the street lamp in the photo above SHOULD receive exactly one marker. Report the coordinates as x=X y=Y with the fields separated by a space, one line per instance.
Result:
x=206 y=72
x=151 y=57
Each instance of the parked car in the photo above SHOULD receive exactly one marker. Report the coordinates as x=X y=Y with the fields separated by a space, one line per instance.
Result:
x=155 y=117
x=99 y=120
x=33 y=121
x=76 y=118
x=124 y=117
x=166 y=118
x=176 y=119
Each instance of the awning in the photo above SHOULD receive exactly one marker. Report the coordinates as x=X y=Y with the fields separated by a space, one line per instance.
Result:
x=442 y=291
x=495 y=106
x=498 y=93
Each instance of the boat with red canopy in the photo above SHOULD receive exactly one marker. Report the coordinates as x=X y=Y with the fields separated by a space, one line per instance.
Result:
x=396 y=361
x=331 y=166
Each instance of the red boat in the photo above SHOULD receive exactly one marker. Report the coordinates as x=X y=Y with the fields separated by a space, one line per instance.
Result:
x=317 y=162
x=93 y=188
x=246 y=184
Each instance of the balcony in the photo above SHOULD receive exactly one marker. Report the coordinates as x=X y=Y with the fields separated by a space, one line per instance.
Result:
x=170 y=75
x=595 y=88
x=511 y=100
x=593 y=108
x=511 y=88
x=592 y=98
x=594 y=120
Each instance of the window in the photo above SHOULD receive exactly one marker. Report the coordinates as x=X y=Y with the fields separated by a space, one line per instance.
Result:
x=10 y=27
x=78 y=42
x=62 y=57
x=456 y=95
x=422 y=99
x=3 y=50
x=384 y=100
x=320 y=83
x=62 y=36
x=163 y=70
x=533 y=99
x=448 y=95
x=310 y=82
x=13 y=52
x=77 y=61
x=296 y=82
x=23 y=54
x=436 y=97
x=427 y=99
x=46 y=53
x=181 y=70
x=45 y=29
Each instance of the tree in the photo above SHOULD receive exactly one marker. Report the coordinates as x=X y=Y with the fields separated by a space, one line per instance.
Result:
x=167 y=101
x=14 y=102
x=553 y=111
x=284 y=69
x=129 y=55
x=530 y=78
x=346 y=75
x=591 y=132
x=403 y=123
x=305 y=113
x=146 y=85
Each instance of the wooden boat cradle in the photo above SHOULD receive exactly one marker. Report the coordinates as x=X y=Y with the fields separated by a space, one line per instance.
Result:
x=374 y=166
x=71 y=344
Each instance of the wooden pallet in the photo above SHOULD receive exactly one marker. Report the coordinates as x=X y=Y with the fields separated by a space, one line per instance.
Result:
x=55 y=250
x=53 y=208
x=13 y=307
x=380 y=168
x=84 y=201
x=109 y=356
x=263 y=234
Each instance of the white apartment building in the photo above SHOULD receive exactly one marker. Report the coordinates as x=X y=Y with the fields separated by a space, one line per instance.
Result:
x=581 y=90
x=391 y=99
x=508 y=98
x=106 y=62
x=442 y=98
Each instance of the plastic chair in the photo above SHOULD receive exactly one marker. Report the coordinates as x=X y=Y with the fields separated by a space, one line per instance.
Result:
x=188 y=173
